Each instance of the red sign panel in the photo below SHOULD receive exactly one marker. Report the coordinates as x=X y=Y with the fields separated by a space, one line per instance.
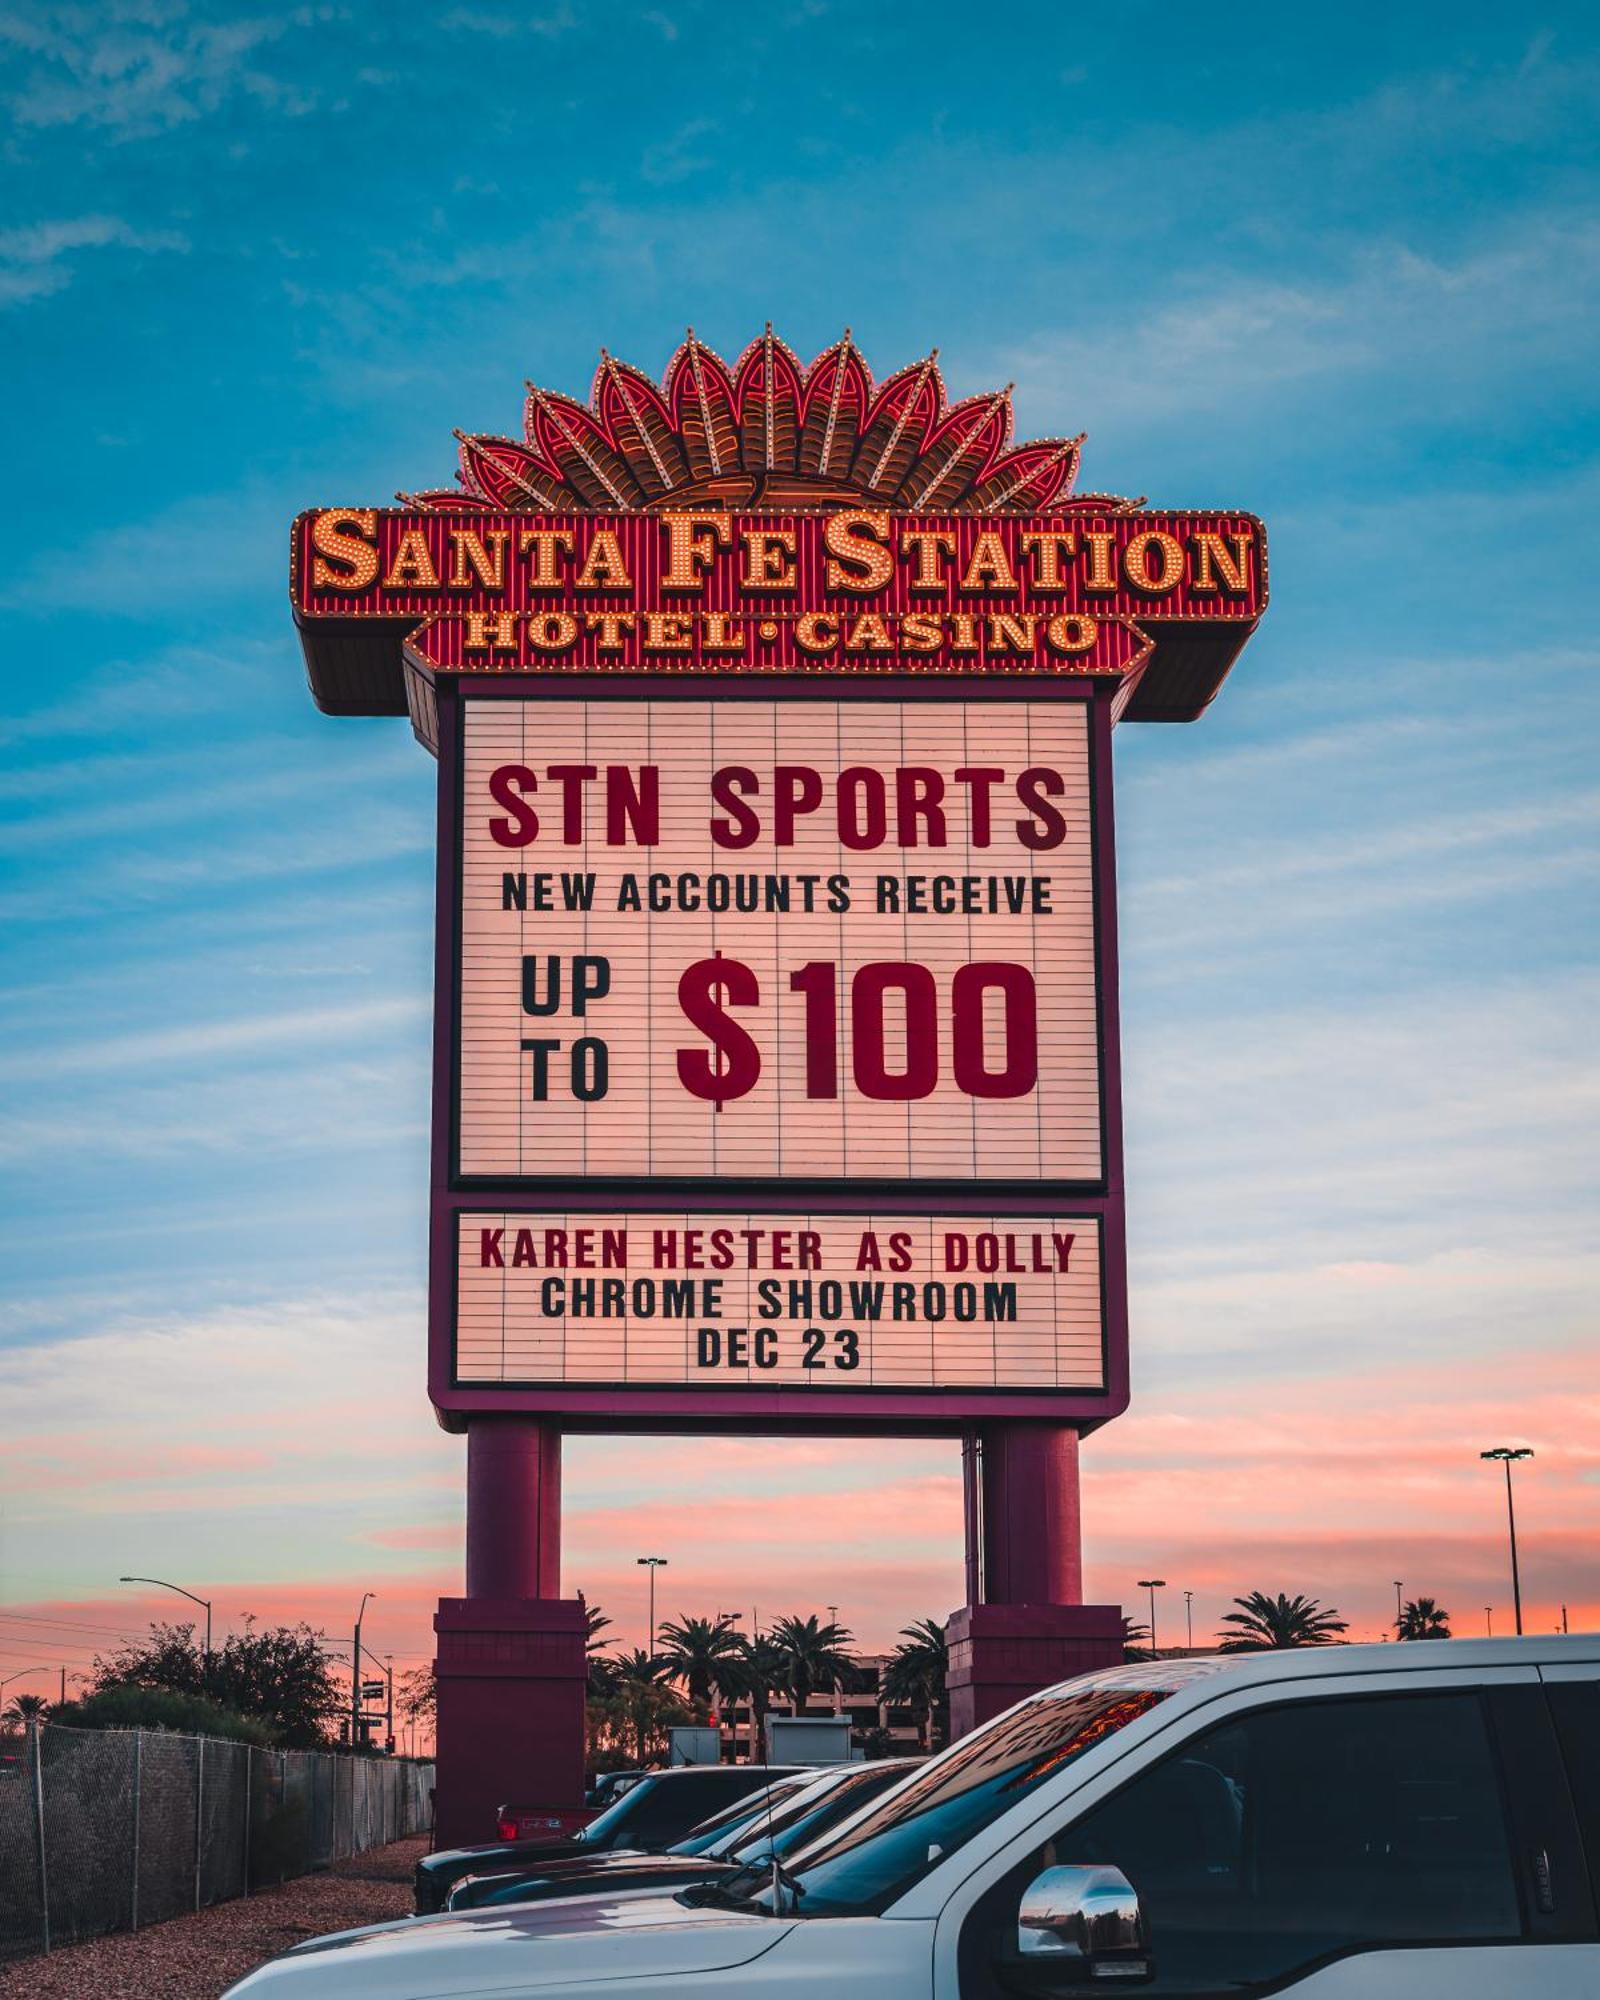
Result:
x=860 y=590
x=777 y=941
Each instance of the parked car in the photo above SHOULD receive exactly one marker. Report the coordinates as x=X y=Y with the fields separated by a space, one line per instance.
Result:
x=1354 y=1823
x=742 y=1836
x=608 y=1787
x=660 y=1809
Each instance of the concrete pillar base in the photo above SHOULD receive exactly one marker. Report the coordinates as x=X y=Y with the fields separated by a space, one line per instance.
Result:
x=511 y=1673
x=1001 y=1652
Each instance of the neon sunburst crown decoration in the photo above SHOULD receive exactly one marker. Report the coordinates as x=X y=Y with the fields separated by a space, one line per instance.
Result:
x=769 y=433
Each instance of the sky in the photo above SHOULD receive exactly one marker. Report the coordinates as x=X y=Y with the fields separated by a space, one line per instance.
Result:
x=1338 y=267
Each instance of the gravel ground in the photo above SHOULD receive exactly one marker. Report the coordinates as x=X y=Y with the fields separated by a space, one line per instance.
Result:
x=198 y=1957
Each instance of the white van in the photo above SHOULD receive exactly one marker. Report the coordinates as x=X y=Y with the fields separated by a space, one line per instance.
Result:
x=1349 y=1823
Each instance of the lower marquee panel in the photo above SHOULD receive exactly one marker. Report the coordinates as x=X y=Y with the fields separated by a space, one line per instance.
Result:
x=858 y=1301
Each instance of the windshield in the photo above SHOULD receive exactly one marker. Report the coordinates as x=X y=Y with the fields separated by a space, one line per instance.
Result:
x=876 y=1857
x=814 y=1812
x=603 y=1824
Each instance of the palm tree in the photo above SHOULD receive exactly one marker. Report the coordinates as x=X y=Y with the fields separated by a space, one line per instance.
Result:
x=915 y=1675
x=1133 y=1635
x=812 y=1656
x=1423 y=1619
x=759 y=1669
x=1268 y=1622
x=638 y=1666
x=27 y=1708
x=602 y=1672
x=695 y=1650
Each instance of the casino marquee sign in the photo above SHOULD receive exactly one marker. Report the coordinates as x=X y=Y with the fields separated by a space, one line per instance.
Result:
x=776 y=1074
x=773 y=519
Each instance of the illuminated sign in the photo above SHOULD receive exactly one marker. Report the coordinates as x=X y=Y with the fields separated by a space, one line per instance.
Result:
x=771 y=517
x=777 y=940
x=813 y=1302
x=776 y=1024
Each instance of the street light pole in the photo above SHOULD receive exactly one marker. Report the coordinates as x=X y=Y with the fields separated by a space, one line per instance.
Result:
x=1399 y=1609
x=652 y=1563
x=355 y=1673
x=162 y=1584
x=1152 y=1584
x=21 y=1674
x=1507 y=1455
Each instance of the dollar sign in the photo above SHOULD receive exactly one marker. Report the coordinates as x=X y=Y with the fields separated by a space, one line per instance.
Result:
x=737 y=1062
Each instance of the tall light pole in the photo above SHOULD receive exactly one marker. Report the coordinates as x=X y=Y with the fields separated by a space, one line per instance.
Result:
x=1152 y=1584
x=205 y=1602
x=355 y=1673
x=1188 y=1620
x=1399 y=1609
x=21 y=1674
x=652 y=1563
x=1508 y=1454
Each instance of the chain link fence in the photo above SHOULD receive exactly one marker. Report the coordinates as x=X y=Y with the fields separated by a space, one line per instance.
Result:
x=110 y=1829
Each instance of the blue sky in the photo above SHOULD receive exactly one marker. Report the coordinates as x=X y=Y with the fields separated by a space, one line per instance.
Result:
x=1340 y=269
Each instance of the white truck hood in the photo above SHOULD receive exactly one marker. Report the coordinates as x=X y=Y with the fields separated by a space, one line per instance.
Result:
x=523 y=1949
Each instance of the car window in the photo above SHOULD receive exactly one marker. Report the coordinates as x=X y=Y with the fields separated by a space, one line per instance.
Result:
x=674 y=1804
x=725 y=1829
x=1301 y=1832
x=808 y=1819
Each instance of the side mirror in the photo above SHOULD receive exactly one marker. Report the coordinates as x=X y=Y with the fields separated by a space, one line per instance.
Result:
x=1082 y=1925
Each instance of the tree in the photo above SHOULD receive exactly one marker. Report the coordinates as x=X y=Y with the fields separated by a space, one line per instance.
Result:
x=1132 y=1635
x=634 y=1719
x=811 y=1655
x=168 y=1659
x=760 y=1670
x=26 y=1708
x=279 y=1677
x=124 y=1705
x=282 y=1676
x=417 y=1696
x=915 y=1675
x=1422 y=1618
x=1265 y=1623
x=696 y=1651
x=638 y=1666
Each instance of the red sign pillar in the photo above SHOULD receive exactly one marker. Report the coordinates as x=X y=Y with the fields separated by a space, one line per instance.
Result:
x=512 y=1663
x=1025 y=1624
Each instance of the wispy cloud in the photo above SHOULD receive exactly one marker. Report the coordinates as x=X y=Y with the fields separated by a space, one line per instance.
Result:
x=136 y=70
x=39 y=258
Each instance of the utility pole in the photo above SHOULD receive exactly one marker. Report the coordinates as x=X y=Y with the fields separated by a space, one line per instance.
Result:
x=388 y=1713
x=355 y=1674
x=1188 y=1618
x=1507 y=1455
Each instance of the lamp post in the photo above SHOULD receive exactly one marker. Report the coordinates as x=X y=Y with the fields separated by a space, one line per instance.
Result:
x=204 y=1602
x=1152 y=1584
x=652 y=1563
x=1188 y=1620
x=21 y=1674
x=1507 y=1454
x=1399 y=1609
x=355 y=1673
